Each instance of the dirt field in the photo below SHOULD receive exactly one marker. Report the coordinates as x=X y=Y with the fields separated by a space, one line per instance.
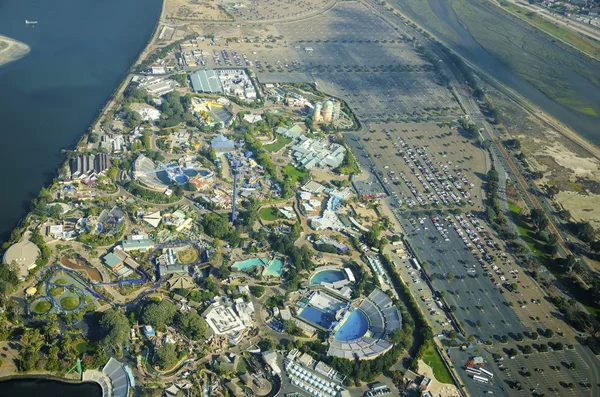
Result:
x=78 y=265
x=194 y=10
x=265 y=10
x=564 y=164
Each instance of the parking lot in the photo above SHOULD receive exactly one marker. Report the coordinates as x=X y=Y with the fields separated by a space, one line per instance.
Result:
x=546 y=373
x=427 y=165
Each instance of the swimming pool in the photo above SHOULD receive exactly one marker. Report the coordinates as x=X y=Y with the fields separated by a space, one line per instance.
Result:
x=355 y=326
x=318 y=317
x=327 y=276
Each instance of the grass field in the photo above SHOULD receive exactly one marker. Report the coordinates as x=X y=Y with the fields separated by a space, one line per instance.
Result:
x=547 y=26
x=3 y=45
x=69 y=302
x=188 y=255
x=527 y=234
x=61 y=281
x=84 y=347
x=268 y=214
x=56 y=291
x=41 y=307
x=278 y=144
x=293 y=173
x=433 y=359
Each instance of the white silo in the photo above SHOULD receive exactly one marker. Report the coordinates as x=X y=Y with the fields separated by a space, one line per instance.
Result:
x=328 y=112
x=316 y=117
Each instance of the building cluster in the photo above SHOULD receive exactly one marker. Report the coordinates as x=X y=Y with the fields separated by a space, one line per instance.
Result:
x=87 y=167
x=234 y=82
x=314 y=377
x=310 y=152
x=156 y=86
x=230 y=318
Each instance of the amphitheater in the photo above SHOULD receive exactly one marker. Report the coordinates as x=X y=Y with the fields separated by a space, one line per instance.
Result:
x=115 y=379
x=146 y=171
x=383 y=318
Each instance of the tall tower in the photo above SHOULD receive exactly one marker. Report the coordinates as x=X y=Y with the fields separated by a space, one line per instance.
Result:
x=328 y=112
x=235 y=178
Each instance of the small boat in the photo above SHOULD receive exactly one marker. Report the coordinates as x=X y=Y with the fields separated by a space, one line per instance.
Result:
x=30 y=22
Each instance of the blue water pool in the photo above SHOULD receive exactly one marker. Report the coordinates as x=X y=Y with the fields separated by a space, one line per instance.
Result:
x=203 y=172
x=274 y=268
x=355 y=326
x=327 y=276
x=190 y=172
x=316 y=316
x=181 y=179
x=249 y=264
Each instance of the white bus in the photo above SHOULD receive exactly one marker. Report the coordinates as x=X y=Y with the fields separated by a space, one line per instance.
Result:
x=486 y=372
x=480 y=379
x=473 y=371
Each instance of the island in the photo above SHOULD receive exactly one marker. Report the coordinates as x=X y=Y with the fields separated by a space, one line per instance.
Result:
x=11 y=50
x=309 y=199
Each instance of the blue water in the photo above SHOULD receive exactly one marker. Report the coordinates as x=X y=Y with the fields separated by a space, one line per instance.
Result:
x=316 y=316
x=80 y=52
x=327 y=276
x=274 y=268
x=249 y=264
x=271 y=269
x=190 y=172
x=47 y=387
x=181 y=179
x=355 y=326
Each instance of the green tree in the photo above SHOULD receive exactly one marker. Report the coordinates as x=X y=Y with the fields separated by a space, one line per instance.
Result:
x=257 y=290
x=114 y=326
x=166 y=356
x=158 y=314
x=191 y=325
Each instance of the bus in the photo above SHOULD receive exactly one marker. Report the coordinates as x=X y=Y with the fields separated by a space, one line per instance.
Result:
x=473 y=371
x=487 y=373
x=480 y=379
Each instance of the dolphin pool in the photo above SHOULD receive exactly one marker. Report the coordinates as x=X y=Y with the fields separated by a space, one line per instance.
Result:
x=355 y=326
x=327 y=276
x=272 y=268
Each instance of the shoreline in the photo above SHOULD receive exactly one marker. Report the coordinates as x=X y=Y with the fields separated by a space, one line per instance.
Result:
x=15 y=50
x=44 y=376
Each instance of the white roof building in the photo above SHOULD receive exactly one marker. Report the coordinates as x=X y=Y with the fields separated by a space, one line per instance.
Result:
x=149 y=114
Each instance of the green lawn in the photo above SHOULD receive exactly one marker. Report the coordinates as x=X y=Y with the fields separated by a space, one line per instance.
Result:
x=278 y=144
x=69 y=302
x=56 y=291
x=293 y=173
x=268 y=214
x=433 y=359
x=41 y=307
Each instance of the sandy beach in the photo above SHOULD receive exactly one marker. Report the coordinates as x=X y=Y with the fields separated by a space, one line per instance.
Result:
x=11 y=50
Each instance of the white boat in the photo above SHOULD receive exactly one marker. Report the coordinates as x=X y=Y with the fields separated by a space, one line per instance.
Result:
x=30 y=22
